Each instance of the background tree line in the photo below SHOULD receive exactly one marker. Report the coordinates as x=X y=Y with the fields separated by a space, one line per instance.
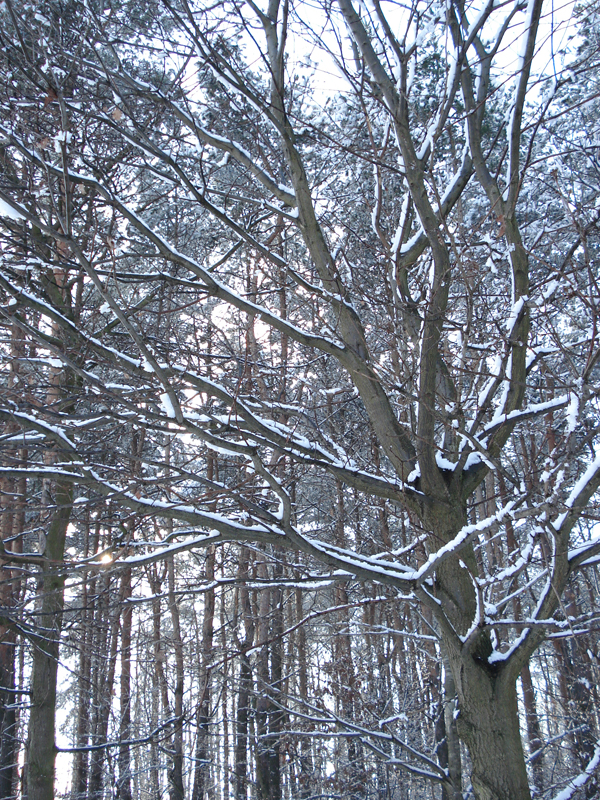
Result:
x=299 y=402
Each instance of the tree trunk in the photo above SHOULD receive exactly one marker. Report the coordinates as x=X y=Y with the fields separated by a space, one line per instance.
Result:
x=241 y=730
x=534 y=734
x=452 y=740
x=203 y=712
x=81 y=759
x=41 y=747
x=488 y=723
x=488 y=717
x=176 y=771
x=104 y=678
x=12 y=506
x=124 y=782
x=245 y=683
x=305 y=767
x=9 y=593
x=267 y=790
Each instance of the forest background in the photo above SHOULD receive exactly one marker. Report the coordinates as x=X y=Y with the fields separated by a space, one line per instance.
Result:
x=300 y=373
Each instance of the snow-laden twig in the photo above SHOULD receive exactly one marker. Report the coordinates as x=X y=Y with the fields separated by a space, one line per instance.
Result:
x=581 y=779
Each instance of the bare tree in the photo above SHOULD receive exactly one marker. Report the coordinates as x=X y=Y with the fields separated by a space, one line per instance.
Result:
x=380 y=307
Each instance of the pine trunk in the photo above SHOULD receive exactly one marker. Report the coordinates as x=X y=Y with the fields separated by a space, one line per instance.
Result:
x=41 y=747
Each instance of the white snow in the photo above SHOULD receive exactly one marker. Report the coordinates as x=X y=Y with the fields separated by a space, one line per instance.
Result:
x=167 y=405
x=581 y=779
x=581 y=484
x=9 y=211
x=572 y=413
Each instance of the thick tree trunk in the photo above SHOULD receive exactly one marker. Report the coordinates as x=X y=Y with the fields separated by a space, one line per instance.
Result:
x=488 y=717
x=488 y=723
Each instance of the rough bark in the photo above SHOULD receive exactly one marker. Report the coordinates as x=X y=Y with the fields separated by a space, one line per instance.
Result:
x=488 y=722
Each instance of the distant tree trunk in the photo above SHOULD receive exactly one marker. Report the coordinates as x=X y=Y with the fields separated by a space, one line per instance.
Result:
x=534 y=736
x=8 y=696
x=124 y=780
x=579 y=695
x=12 y=523
x=176 y=772
x=81 y=759
x=263 y=777
x=244 y=683
x=226 y=780
x=154 y=778
x=306 y=769
x=453 y=758
x=241 y=729
x=276 y=715
x=201 y=770
x=12 y=503
x=534 y=732
x=201 y=767
x=103 y=676
x=344 y=667
x=41 y=747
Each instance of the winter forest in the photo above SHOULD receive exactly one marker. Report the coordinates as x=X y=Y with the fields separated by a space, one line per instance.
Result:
x=299 y=399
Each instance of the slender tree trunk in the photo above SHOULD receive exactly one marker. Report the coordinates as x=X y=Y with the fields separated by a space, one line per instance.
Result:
x=201 y=767
x=12 y=506
x=81 y=759
x=41 y=747
x=103 y=689
x=534 y=733
x=306 y=766
x=203 y=712
x=9 y=591
x=176 y=771
x=276 y=715
x=263 y=741
x=344 y=665
x=124 y=781
x=451 y=732
x=241 y=729
x=245 y=683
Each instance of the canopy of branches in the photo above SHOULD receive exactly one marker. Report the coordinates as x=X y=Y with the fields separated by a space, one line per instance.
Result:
x=299 y=399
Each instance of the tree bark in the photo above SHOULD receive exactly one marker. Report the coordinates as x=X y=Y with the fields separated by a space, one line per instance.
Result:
x=124 y=781
x=203 y=711
x=176 y=772
x=41 y=747
x=488 y=723
x=81 y=759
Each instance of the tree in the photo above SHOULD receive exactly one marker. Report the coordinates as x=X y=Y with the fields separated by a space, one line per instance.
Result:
x=379 y=312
